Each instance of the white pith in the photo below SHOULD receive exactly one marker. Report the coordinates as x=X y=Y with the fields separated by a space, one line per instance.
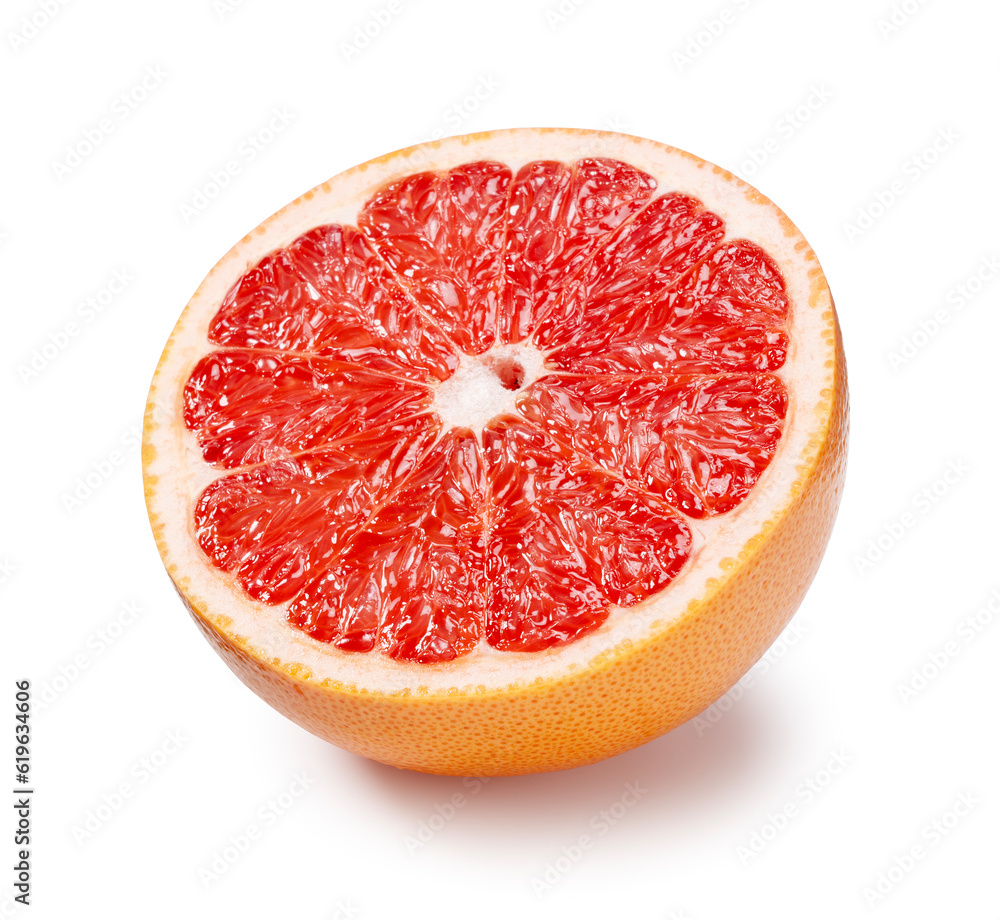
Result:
x=179 y=474
x=474 y=394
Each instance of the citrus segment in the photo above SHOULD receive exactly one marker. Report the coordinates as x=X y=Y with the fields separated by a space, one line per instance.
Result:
x=443 y=235
x=559 y=213
x=328 y=294
x=725 y=314
x=410 y=582
x=277 y=525
x=634 y=265
x=248 y=407
x=567 y=540
x=700 y=443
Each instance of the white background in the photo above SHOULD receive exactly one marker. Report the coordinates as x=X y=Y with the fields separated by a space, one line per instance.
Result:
x=831 y=689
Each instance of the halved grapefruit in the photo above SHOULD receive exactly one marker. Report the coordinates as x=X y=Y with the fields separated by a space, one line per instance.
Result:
x=503 y=453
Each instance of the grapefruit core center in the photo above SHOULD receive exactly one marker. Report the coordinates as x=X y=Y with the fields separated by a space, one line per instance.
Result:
x=487 y=385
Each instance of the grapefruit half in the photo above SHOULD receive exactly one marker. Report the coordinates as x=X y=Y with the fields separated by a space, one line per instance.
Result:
x=503 y=453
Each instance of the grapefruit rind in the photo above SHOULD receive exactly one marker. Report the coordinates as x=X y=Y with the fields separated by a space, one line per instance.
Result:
x=507 y=712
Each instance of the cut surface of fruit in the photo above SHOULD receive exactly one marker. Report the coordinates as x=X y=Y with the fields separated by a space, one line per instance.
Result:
x=497 y=532
x=493 y=418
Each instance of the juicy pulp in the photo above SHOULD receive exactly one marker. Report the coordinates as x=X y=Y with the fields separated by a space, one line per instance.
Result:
x=342 y=493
